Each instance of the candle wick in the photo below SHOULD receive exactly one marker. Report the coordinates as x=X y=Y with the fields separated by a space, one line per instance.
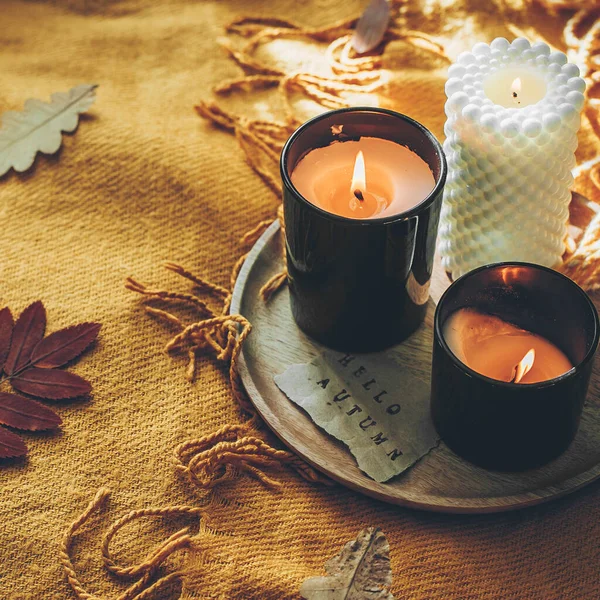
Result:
x=514 y=94
x=359 y=195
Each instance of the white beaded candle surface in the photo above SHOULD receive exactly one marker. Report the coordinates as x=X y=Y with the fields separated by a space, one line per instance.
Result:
x=513 y=114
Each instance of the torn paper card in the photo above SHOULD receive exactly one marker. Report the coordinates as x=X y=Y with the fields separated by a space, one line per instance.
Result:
x=371 y=403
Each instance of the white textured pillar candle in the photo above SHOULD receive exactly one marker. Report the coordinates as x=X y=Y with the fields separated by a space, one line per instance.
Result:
x=513 y=115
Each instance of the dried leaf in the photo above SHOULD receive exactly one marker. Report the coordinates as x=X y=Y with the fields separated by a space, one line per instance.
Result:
x=27 y=334
x=371 y=26
x=6 y=329
x=39 y=127
x=24 y=345
x=11 y=444
x=361 y=570
x=50 y=384
x=64 y=345
x=582 y=210
x=23 y=413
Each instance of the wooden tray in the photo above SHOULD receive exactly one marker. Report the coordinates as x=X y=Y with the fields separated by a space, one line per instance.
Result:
x=441 y=481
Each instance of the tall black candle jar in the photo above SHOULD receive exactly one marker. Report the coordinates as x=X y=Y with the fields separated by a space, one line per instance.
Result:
x=355 y=284
x=514 y=426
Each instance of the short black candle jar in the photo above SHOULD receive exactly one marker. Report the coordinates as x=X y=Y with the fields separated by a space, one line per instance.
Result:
x=514 y=426
x=360 y=284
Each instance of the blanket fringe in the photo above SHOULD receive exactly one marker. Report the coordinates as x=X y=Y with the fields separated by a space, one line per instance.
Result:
x=220 y=456
x=233 y=449
x=582 y=36
x=144 y=588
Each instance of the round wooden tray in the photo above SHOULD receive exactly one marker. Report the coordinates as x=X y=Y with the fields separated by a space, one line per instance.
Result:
x=440 y=481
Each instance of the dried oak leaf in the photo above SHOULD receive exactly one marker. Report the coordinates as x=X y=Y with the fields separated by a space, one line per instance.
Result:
x=29 y=361
x=371 y=26
x=39 y=127
x=361 y=570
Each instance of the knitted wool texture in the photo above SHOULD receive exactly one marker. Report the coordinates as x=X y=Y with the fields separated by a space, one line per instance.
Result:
x=145 y=181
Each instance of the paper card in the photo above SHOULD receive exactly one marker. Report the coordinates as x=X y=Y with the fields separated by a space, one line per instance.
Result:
x=377 y=407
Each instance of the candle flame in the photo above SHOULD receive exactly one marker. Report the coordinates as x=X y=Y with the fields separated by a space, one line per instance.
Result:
x=523 y=367
x=359 y=178
x=516 y=86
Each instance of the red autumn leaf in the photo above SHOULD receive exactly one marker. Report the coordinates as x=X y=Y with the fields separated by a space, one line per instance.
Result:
x=6 y=328
x=371 y=26
x=22 y=413
x=22 y=345
x=27 y=334
x=11 y=444
x=50 y=384
x=62 y=346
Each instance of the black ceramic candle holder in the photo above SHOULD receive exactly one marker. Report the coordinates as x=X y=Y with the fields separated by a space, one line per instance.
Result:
x=360 y=285
x=514 y=426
